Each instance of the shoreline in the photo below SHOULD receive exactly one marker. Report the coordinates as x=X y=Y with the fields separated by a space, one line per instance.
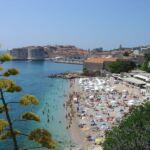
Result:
x=49 y=59
x=78 y=136
x=72 y=121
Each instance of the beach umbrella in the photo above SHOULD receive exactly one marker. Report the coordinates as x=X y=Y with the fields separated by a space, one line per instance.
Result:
x=97 y=148
x=107 y=89
x=124 y=90
x=113 y=102
x=99 y=140
x=111 y=90
x=104 y=126
x=91 y=96
x=101 y=105
x=85 y=128
x=96 y=88
x=75 y=98
x=98 y=116
x=131 y=102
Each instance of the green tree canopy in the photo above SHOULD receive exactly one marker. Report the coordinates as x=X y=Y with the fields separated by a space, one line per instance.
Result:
x=85 y=71
x=133 y=133
x=30 y=116
x=146 y=64
x=3 y=124
x=121 y=66
x=126 y=54
x=5 y=57
x=43 y=137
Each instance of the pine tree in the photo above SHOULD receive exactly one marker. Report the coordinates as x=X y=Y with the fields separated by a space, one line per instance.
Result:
x=7 y=129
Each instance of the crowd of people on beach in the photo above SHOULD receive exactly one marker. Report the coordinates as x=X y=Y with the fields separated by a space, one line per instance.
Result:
x=99 y=104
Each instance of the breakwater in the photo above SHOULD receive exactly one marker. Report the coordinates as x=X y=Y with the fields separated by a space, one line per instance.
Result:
x=67 y=75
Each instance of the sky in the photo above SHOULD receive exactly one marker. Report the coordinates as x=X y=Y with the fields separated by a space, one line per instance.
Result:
x=86 y=24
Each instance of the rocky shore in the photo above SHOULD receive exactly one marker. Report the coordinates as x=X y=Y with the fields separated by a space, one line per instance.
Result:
x=66 y=75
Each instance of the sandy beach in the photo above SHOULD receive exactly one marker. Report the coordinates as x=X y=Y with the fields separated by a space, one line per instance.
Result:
x=76 y=137
x=95 y=105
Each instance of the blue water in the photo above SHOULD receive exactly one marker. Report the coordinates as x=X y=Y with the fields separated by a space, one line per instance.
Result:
x=33 y=78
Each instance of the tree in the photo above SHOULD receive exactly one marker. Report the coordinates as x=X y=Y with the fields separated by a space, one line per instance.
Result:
x=121 y=66
x=146 y=64
x=126 y=54
x=133 y=133
x=100 y=49
x=85 y=71
x=7 y=129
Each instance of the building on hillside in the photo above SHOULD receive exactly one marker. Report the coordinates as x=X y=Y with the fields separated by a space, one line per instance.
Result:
x=37 y=53
x=136 y=52
x=102 y=54
x=138 y=59
x=98 y=64
x=29 y=53
x=141 y=50
x=145 y=49
x=120 y=53
x=48 y=51
x=102 y=64
x=19 y=53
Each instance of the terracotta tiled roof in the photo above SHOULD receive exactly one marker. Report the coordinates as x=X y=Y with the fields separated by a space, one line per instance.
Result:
x=124 y=58
x=102 y=53
x=100 y=60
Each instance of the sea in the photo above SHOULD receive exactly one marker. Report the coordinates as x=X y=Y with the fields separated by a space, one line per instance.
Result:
x=52 y=93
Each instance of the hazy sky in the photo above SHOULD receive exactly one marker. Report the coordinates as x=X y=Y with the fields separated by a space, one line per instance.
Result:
x=84 y=23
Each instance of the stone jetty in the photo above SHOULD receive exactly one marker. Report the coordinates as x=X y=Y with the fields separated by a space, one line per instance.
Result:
x=66 y=75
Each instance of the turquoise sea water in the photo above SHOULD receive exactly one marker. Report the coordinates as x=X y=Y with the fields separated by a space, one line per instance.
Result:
x=33 y=78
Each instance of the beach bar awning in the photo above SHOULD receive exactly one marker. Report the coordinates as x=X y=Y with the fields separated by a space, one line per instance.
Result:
x=134 y=81
x=142 y=77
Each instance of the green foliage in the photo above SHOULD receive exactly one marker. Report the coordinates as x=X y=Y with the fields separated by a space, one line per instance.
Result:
x=31 y=116
x=3 y=124
x=14 y=88
x=5 y=57
x=133 y=133
x=146 y=64
x=126 y=54
x=100 y=49
x=2 y=108
x=29 y=99
x=147 y=56
x=7 y=134
x=6 y=83
x=12 y=71
x=43 y=137
x=9 y=85
x=121 y=66
x=1 y=68
x=85 y=71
